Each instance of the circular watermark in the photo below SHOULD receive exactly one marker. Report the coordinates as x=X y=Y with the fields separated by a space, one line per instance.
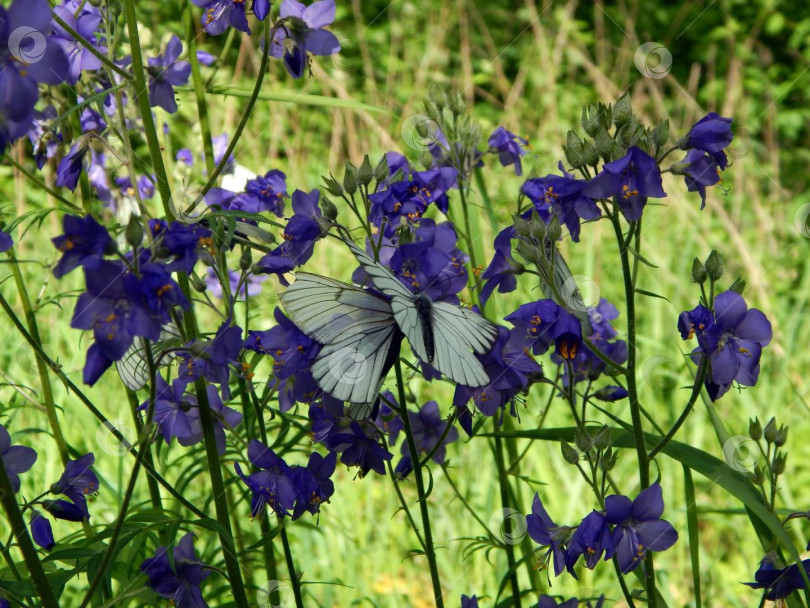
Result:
x=509 y=525
x=27 y=44
x=580 y=293
x=187 y=204
x=420 y=132
x=274 y=594
x=741 y=144
x=741 y=453
x=801 y=220
x=660 y=372
x=653 y=60
x=348 y=366
x=109 y=443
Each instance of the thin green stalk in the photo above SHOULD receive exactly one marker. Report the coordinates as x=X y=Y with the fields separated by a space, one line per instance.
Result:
x=142 y=97
x=703 y=371
x=430 y=550
x=218 y=490
x=212 y=180
x=199 y=90
x=503 y=486
x=154 y=488
x=404 y=505
x=628 y=597
x=294 y=580
x=20 y=532
x=632 y=390
x=34 y=179
x=42 y=370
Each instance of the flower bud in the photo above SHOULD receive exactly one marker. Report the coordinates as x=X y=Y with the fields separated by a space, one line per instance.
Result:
x=573 y=150
x=583 y=440
x=590 y=120
x=622 y=111
x=197 y=283
x=755 y=429
x=699 y=274
x=366 y=172
x=381 y=170
x=602 y=439
x=569 y=454
x=328 y=208
x=134 y=231
x=589 y=154
x=661 y=133
x=554 y=230
x=770 y=431
x=779 y=463
x=246 y=259
x=350 y=179
x=758 y=476
x=781 y=436
x=714 y=266
x=604 y=145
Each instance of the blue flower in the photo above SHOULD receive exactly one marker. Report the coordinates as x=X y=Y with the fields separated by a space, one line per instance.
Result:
x=611 y=393
x=358 y=449
x=272 y=485
x=301 y=32
x=733 y=337
x=630 y=180
x=6 y=241
x=251 y=286
x=592 y=540
x=638 y=526
x=43 y=135
x=779 y=581
x=165 y=73
x=15 y=459
x=72 y=164
x=25 y=61
x=543 y=323
x=427 y=426
x=387 y=420
x=266 y=193
x=546 y=533
x=547 y=601
x=177 y=580
x=78 y=482
x=180 y=243
x=503 y=269
x=313 y=483
x=213 y=358
x=700 y=170
x=509 y=147
x=218 y=15
x=564 y=196
x=712 y=134
x=469 y=601
x=41 y=530
x=86 y=23
x=304 y=228
x=64 y=509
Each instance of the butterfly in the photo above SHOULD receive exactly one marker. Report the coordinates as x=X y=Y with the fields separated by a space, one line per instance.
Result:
x=133 y=367
x=361 y=331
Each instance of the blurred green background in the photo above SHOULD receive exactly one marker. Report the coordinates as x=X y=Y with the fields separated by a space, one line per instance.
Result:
x=529 y=66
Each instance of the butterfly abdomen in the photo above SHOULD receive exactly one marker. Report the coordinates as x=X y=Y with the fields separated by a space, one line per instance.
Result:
x=424 y=308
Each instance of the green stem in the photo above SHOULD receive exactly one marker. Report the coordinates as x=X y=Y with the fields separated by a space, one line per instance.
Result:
x=218 y=489
x=142 y=97
x=503 y=486
x=627 y=595
x=430 y=550
x=245 y=116
x=632 y=390
x=33 y=178
x=20 y=532
x=703 y=371
x=199 y=90
x=44 y=379
x=294 y=580
x=154 y=488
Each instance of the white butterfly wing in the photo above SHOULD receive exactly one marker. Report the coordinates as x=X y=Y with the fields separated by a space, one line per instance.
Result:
x=133 y=367
x=459 y=333
x=355 y=327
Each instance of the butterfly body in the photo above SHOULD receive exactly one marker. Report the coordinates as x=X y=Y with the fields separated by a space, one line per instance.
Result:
x=424 y=308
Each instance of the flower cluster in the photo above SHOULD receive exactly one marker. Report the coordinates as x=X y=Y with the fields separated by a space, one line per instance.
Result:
x=287 y=490
x=177 y=579
x=626 y=528
x=731 y=337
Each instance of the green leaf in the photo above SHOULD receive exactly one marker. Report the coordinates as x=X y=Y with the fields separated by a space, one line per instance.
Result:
x=291 y=97
x=650 y=294
x=640 y=257
x=692 y=524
